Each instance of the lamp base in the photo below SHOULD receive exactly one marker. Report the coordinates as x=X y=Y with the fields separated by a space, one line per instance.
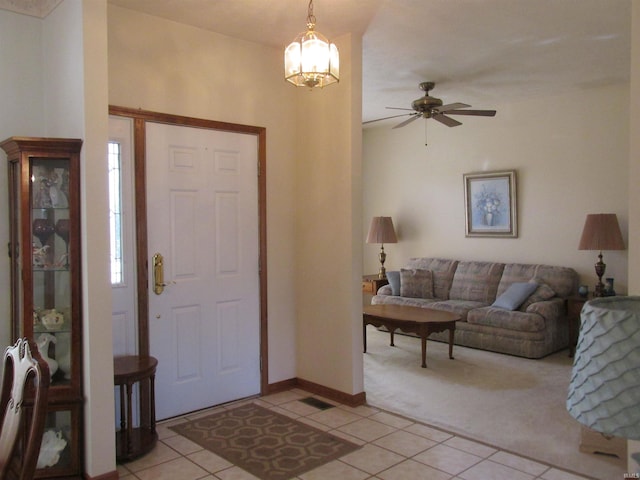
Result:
x=382 y=273
x=600 y=266
x=599 y=291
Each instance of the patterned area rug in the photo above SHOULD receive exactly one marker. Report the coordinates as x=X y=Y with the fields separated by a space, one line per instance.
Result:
x=267 y=444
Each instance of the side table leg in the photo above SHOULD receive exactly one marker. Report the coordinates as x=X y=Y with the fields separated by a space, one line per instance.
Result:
x=451 y=333
x=152 y=394
x=364 y=334
x=423 y=339
x=129 y=442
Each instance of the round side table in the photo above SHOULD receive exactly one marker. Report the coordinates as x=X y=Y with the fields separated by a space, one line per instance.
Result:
x=128 y=370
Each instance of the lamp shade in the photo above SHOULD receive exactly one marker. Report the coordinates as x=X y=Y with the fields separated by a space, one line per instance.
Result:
x=601 y=232
x=381 y=231
x=604 y=392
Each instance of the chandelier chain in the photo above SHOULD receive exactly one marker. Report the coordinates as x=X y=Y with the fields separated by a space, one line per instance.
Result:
x=311 y=19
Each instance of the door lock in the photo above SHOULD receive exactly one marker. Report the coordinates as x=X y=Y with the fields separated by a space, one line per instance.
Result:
x=158 y=274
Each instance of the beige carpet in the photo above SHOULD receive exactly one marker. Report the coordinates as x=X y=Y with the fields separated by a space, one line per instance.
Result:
x=512 y=403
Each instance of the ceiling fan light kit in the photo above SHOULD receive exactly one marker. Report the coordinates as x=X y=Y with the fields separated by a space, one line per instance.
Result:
x=311 y=60
x=431 y=107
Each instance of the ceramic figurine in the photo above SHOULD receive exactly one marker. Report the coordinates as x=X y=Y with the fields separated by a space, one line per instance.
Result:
x=52 y=445
x=52 y=319
x=608 y=288
x=63 y=353
x=43 y=342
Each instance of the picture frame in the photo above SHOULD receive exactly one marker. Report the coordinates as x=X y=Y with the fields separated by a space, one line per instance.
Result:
x=490 y=204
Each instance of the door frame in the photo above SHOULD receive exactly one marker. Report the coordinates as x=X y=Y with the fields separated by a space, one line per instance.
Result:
x=140 y=118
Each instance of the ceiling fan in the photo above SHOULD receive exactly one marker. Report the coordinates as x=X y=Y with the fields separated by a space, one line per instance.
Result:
x=431 y=107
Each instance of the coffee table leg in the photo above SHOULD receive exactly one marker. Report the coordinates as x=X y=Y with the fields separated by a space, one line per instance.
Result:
x=451 y=333
x=423 y=338
x=364 y=335
x=391 y=331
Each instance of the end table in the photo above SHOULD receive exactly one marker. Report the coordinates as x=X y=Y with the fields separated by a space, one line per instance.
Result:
x=371 y=283
x=574 y=307
x=133 y=442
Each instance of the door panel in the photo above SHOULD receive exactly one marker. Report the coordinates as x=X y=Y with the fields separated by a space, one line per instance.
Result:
x=202 y=216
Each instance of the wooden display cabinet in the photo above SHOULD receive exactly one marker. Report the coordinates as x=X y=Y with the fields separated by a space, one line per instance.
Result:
x=44 y=251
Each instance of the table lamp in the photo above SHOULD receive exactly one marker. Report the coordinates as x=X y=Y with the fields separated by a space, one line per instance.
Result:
x=601 y=232
x=381 y=231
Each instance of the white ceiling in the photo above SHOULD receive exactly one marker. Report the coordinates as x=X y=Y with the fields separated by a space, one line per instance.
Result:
x=480 y=52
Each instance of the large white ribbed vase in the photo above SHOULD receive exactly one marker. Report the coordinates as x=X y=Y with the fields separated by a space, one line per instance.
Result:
x=604 y=393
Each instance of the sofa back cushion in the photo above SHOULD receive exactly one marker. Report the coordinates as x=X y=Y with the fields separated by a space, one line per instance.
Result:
x=476 y=281
x=442 y=270
x=416 y=283
x=562 y=280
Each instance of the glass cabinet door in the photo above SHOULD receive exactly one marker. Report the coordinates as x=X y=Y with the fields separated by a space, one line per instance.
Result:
x=51 y=264
x=61 y=431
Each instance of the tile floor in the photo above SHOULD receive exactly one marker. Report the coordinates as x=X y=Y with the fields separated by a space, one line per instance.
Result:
x=393 y=448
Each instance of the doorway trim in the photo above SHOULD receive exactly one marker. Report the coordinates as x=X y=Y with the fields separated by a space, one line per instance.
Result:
x=140 y=118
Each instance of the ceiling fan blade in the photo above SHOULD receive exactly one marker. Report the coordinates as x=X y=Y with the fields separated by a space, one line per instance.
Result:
x=399 y=108
x=449 y=122
x=386 y=118
x=414 y=117
x=479 y=113
x=450 y=106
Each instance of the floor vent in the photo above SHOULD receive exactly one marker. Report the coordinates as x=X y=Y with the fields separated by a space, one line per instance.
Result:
x=314 y=402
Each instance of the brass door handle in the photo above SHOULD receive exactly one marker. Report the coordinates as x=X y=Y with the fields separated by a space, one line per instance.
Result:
x=158 y=274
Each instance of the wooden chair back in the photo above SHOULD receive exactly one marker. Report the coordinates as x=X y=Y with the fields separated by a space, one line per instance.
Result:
x=23 y=366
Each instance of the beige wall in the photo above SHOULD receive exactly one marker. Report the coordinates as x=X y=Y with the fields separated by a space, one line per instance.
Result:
x=328 y=222
x=571 y=157
x=22 y=107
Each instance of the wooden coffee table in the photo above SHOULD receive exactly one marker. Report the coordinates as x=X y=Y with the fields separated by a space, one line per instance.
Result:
x=422 y=321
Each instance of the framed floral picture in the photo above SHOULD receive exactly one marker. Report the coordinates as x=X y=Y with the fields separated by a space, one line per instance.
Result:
x=490 y=204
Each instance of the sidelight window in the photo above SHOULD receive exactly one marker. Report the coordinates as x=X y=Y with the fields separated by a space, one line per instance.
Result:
x=115 y=212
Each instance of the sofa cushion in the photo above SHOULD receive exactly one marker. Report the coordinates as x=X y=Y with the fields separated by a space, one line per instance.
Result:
x=509 y=320
x=562 y=280
x=397 y=300
x=443 y=271
x=516 y=272
x=542 y=292
x=515 y=295
x=460 y=307
x=394 y=281
x=476 y=281
x=416 y=283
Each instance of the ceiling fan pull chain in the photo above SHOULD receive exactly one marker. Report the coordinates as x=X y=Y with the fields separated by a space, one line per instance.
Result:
x=425 y=133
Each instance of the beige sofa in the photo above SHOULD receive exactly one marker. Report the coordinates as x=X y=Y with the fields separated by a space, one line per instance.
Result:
x=533 y=328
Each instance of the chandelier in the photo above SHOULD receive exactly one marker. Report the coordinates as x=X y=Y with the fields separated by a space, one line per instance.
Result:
x=310 y=60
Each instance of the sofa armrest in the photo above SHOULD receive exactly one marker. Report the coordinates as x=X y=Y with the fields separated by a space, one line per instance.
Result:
x=385 y=290
x=549 y=309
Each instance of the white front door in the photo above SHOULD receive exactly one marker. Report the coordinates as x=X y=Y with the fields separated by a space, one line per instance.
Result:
x=202 y=217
